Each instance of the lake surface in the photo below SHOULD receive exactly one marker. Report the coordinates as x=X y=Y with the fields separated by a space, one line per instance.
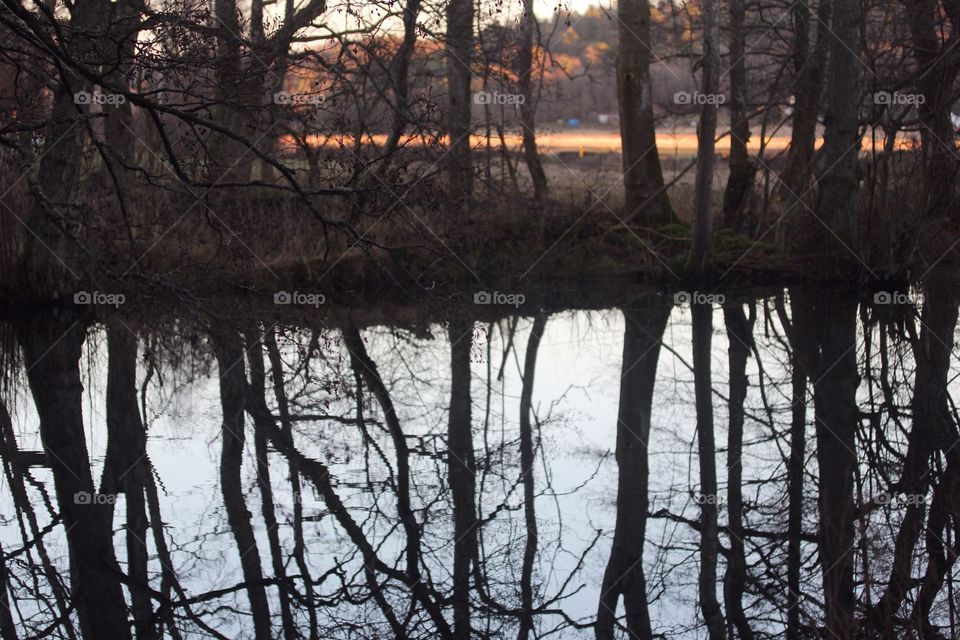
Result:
x=500 y=469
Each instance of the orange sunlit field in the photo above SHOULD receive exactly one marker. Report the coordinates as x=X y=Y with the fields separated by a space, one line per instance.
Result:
x=679 y=143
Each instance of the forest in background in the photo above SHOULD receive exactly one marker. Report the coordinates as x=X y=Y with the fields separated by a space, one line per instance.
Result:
x=187 y=144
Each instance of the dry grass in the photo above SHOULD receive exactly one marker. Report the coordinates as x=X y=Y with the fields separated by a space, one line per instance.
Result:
x=269 y=240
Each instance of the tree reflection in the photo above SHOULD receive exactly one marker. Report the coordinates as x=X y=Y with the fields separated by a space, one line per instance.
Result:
x=391 y=483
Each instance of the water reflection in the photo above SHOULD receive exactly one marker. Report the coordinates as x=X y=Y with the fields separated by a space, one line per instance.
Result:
x=741 y=468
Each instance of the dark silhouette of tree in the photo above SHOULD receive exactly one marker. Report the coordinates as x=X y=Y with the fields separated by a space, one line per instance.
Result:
x=624 y=574
x=646 y=198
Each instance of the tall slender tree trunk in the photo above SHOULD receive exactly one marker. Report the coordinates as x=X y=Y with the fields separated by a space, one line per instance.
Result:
x=53 y=254
x=829 y=318
x=257 y=395
x=706 y=446
x=51 y=347
x=527 y=458
x=740 y=338
x=528 y=25
x=14 y=472
x=646 y=196
x=230 y=359
x=459 y=44
x=231 y=161
x=803 y=360
x=737 y=196
x=8 y=628
x=796 y=464
x=299 y=544
x=461 y=465
x=808 y=68
x=836 y=202
x=364 y=366
x=119 y=125
x=624 y=575
x=400 y=74
x=702 y=246
x=125 y=467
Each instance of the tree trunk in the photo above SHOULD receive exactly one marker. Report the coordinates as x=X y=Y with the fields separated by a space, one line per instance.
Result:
x=399 y=73
x=528 y=107
x=462 y=468
x=700 y=253
x=643 y=333
x=795 y=466
x=737 y=196
x=527 y=457
x=52 y=347
x=706 y=447
x=803 y=359
x=807 y=90
x=740 y=338
x=257 y=394
x=836 y=202
x=53 y=255
x=231 y=161
x=230 y=360
x=940 y=558
x=646 y=196
x=829 y=318
x=299 y=544
x=125 y=467
x=363 y=365
x=459 y=43
x=8 y=629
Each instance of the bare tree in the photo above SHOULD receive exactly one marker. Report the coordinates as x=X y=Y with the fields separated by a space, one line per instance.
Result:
x=646 y=197
x=740 y=337
x=233 y=394
x=461 y=462
x=527 y=460
x=459 y=55
x=702 y=224
x=624 y=575
x=52 y=355
x=836 y=200
x=706 y=448
x=528 y=121
x=739 y=190
x=828 y=322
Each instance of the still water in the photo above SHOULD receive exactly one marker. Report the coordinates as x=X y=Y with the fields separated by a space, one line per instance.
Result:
x=750 y=464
